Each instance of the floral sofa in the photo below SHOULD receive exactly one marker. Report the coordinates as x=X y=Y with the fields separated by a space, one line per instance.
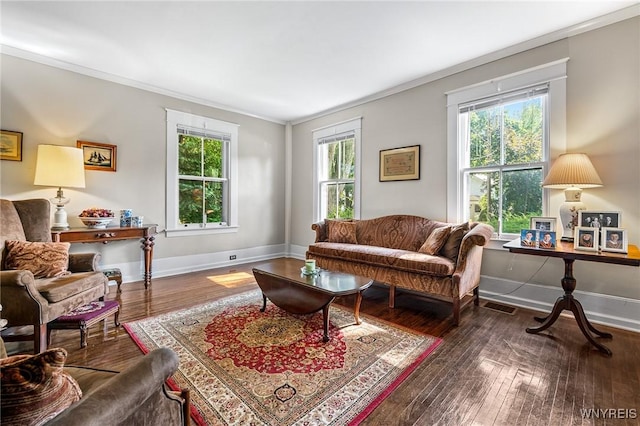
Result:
x=437 y=259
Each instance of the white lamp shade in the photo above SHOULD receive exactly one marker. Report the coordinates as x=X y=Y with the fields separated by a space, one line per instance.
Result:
x=573 y=169
x=61 y=166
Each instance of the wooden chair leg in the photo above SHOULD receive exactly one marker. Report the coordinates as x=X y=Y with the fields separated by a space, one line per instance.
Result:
x=456 y=311
x=392 y=296
x=476 y=296
x=39 y=338
x=186 y=407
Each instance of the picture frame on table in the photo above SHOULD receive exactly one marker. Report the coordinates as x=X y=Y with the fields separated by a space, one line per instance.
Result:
x=10 y=145
x=614 y=240
x=541 y=223
x=529 y=238
x=547 y=240
x=98 y=156
x=400 y=163
x=599 y=219
x=586 y=238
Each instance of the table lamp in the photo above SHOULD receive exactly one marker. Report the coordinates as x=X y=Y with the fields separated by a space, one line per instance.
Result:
x=572 y=172
x=59 y=166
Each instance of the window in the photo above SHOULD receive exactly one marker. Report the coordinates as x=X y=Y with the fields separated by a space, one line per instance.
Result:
x=501 y=147
x=337 y=171
x=201 y=174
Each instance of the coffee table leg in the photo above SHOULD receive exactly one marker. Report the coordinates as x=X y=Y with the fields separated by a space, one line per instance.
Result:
x=325 y=316
x=356 y=309
x=264 y=303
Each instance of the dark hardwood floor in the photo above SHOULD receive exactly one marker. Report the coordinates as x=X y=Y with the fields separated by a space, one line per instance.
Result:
x=488 y=371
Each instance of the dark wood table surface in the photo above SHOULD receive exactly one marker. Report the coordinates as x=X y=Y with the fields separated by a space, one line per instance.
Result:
x=286 y=286
x=145 y=233
x=569 y=255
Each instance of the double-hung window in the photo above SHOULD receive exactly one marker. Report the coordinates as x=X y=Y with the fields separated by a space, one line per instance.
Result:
x=337 y=174
x=502 y=149
x=201 y=170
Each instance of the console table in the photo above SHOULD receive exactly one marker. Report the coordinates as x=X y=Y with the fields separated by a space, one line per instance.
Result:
x=566 y=252
x=146 y=233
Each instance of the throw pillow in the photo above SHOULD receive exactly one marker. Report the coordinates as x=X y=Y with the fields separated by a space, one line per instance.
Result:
x=45 y=260
x=342 y=232
x=35 y=388
x=451 y=248
x=435 y=240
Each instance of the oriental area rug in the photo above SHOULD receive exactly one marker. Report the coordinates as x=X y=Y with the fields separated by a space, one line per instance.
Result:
x=246 y=367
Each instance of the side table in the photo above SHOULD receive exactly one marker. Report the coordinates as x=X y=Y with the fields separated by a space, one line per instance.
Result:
x=566 y=252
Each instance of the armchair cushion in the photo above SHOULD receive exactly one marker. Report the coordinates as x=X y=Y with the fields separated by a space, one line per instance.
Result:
x=35 y=388
x=44 y=260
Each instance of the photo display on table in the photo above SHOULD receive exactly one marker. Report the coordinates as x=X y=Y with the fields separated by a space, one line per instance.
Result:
x=614 y=240
x=586 y=238
x=528 y=238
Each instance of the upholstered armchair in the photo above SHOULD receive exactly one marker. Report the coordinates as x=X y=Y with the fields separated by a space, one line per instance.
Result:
x=42 y=281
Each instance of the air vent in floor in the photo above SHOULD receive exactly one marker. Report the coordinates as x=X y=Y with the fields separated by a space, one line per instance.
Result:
x=500 y=308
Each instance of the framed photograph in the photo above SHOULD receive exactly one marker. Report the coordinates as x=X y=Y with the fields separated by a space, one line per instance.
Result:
x=546 y=239
x=543 y=223
x=528 y=238
x=400 y=163
x=98 y=156
x=586 y=238
x=10 y=145
x=599 y=219
x=614 y=239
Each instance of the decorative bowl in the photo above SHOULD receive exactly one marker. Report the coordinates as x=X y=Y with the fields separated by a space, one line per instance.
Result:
x=96 y=222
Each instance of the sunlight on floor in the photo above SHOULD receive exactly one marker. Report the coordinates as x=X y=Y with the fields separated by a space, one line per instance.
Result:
x=233 y=279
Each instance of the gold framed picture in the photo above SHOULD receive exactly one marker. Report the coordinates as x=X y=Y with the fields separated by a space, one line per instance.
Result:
x=10 y=145
x=98 y=156
x=400 y=163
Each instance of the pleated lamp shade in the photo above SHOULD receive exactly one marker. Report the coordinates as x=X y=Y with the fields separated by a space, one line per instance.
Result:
x=573 y=169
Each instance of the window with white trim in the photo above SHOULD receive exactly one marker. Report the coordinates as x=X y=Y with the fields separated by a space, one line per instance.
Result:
x=337 y=171
x=502 y=148
x=201 y=174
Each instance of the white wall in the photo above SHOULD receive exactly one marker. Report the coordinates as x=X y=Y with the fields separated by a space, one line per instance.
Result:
x=54 y=106
x=603 y=120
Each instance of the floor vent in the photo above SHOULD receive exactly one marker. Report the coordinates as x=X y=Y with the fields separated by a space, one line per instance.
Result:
x=500 y=308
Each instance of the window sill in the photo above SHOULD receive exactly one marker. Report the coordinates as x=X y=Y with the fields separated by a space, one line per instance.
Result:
x=201 y=231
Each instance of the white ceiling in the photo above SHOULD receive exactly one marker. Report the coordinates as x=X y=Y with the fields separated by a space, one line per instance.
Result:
x=282 y=61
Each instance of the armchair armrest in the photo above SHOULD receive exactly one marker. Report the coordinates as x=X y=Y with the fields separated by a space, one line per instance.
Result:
x=21 y=302
x=84 y=262
x=137 y=395
x=321 y=231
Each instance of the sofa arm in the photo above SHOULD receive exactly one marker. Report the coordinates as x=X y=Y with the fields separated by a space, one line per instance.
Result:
x=478 y=235
x=84 y=262
x=136 y=396
x=21 y=302
x=321 y=231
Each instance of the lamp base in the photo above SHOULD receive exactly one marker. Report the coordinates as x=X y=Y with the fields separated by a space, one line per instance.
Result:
x=569 y=212
x=60 y=216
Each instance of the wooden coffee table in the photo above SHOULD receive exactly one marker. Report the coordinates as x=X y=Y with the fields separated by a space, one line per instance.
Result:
x=289 y=289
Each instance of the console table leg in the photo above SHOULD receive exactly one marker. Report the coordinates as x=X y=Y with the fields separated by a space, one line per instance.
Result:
x=551 y=318
x=147 y=247
x=588 y=323
x=585 y=326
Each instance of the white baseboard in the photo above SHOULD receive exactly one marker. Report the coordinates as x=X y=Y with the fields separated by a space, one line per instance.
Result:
x=603 y=309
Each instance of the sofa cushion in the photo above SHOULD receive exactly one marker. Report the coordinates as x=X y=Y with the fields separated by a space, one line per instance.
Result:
x=385 y=257
x=451 y=247
x=435 y=241
x=342 y=232
x=35 y=388
x=44 y=260
x=60 y=288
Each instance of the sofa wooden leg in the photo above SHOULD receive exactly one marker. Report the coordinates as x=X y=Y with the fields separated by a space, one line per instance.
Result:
x=456 y=311
x=39 y=338
x=186 y=406
x=392 y=296
x=476 y=296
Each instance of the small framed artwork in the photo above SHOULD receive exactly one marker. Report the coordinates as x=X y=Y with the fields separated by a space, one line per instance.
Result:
x=546 y=239
x=599 y=219
x=543 y=223
x=586 y=238
x=98 y=156
x=528 y=237
x=10 y=145
x=614 y=240
x=400 y=163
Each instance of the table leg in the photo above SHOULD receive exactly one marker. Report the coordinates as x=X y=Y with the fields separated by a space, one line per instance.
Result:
x=356 y=308
x=325 y=317
x=264 y=303
x=147 y=247
x=584 y=324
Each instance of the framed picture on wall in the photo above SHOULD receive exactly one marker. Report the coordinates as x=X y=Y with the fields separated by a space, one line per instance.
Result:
x=586 y=238
x=10 y=145
x=614 y=240
x=400 y=163
x=98 y=156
